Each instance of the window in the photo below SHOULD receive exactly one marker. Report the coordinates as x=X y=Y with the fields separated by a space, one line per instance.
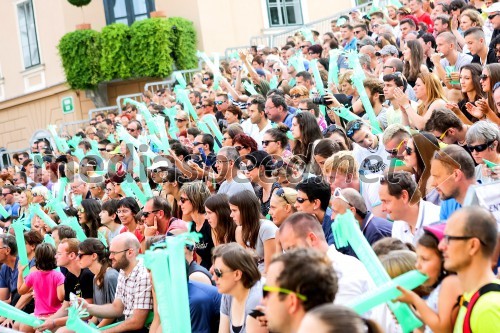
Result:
x=27 y=31
x=127 y=11
x=284 y=12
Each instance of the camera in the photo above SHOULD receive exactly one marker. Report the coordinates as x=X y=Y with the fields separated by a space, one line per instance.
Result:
x=320 y=100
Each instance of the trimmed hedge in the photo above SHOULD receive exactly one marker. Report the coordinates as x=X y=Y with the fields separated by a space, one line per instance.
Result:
x=149 y=48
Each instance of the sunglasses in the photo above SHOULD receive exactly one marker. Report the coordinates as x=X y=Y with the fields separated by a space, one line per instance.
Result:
x=277 y=69
x=80 y=255
x=183 y=199
x=249 y=167
x=101 y=149
x=180 y=120
x=337 y=194
x=355 y=127
x=301 y=200
x=266 y=142
x=330 y=129
x=480 y=148
x=196 y=143
x=492 y=16
x=281 y=193
x=268 y=289
x=483 y=77
x=239 y=148
x=219 y=102
x=206 y=78
x=146 y=214
x=218 y=272
x=198 y=107
x=109 y=150
x=394 y=152
x=408 y=150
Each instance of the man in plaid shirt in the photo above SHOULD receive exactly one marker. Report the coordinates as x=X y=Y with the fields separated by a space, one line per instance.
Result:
x=133 y=292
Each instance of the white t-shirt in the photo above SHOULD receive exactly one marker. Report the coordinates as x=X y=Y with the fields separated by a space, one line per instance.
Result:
x=353 y=278
x=428 y=213
x=254 y=132
x=371 y=161
x=369 y=191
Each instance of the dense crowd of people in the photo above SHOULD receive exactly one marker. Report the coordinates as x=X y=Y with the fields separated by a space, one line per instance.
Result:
x=260 y=164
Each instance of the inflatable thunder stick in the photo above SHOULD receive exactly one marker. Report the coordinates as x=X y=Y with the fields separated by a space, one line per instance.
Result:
x=346 y=231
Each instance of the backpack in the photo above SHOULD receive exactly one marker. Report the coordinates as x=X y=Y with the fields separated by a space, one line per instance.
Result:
x=470 y=304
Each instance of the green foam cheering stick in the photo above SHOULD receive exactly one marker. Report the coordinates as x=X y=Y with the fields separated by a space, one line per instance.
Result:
x=72 y=222
x=307 y=35
x=333 y=68
x=75 y=313
x=180 y=80
x=273 y=84
x=183 y=98
x=344 y=113
x=63 y=182
x=388 y=291
x=47 y=238
x=5 y=214
x=136 y=189
x=250 y=88
x=18 y=227
x=61 y=144
x=346 y=231
x=143 y=110
x=165 y=146
x=313 y=64
x=37 y=210
x=168 y=268
x=358 y=84
x=489 y=164
x=19 y=316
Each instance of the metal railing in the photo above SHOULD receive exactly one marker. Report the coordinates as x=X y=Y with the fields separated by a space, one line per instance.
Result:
x=73 y=126
x=155 y=86
x=322 y=25
x=231 y=50
x=105 y=110
x=119 y=100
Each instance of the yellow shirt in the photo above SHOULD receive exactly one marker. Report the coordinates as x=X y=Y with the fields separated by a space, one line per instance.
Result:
x=485 y=316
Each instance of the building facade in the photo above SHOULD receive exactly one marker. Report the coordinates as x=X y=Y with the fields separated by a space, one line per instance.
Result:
x=33 y=92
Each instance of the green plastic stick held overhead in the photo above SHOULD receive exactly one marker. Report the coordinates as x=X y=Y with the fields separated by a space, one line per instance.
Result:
x=62 y=145
x=346 y=231
x=63 y=182
x=317 y=77
x=358 y=84
x=165 y=146
x=180 y=80
x=136 y=189
x=344 y=113
x=387 y=292
x=273 y=84
x=183 y=98
x=47 y=238
x=18 y=227
x=56 y=206
x=250 y=88
x=72 y=222
x=145 y=113
x=306 y=32
x=333 y=68
x=36 y=210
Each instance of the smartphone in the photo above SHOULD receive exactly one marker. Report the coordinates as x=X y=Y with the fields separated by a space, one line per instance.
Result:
x=203 y=156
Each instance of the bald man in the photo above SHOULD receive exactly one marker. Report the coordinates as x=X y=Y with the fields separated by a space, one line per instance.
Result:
x=133 y=291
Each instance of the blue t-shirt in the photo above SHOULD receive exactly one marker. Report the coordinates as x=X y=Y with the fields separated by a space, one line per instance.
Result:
x=8 y=277
x=327 y=226
x=204 y=306
x=13 y=210
x=448 y=207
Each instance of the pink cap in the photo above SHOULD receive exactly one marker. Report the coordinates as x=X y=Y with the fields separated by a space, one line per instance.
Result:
x=437 y=230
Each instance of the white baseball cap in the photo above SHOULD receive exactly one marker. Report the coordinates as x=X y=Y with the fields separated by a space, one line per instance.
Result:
x=493 y=8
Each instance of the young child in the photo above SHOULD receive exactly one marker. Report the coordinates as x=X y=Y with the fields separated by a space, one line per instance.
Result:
x=47 y=284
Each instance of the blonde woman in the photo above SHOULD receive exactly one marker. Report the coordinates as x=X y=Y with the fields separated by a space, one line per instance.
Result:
x=429 y=91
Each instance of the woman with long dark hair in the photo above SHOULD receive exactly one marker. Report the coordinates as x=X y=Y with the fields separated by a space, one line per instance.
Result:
x=418 y=153
x=218 y=215
x=173 y=179
x=413 y=55
x=94 y=256
x=252 y=231
x=471 y=92
x=275 y=142
x=88 y=216
x=305 y=131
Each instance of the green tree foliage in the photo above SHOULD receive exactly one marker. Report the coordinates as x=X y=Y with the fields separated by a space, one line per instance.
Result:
x=184 y=39
x=149 y=48
x=80 y=58
x=115 y=52
x=79 y=3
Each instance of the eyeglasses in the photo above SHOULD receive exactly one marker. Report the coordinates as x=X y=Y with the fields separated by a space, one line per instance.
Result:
x=296 y=96
x=408 y=150
x=266 y=142
x=268 y=289
x=480 y=148
x=355 y=127
x=80 y=255
x=114 y=253
x=206 y=78
x=441 y=137
x=394 y=152
x=146 y=214
x=492 y=16
x=239 y=148
x=219 y=102
x=183 y=199
x=126 y=211
x=483 y=77
x=218 y=272
x=448 y=238
x=281 y=193
x=301 y=200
